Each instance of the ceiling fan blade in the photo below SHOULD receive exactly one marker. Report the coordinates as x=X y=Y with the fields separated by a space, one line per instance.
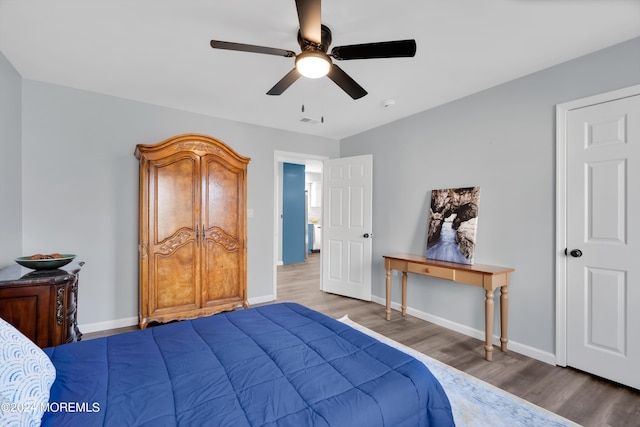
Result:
x=346 y=83
x=392 y=49
x=309 y=16
x=216 y=44
x=285 y=82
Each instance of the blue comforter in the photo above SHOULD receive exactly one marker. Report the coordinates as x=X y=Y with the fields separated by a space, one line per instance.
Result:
x=274 y=365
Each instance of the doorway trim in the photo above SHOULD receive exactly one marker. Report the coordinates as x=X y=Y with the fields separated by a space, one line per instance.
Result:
x=280 y=157
x=562 y=112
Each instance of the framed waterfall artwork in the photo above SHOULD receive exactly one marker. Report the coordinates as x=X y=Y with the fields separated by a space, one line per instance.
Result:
x=453 y=221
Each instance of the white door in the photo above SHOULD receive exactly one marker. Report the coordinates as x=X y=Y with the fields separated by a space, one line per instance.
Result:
x=346 y=226
x=603 y=239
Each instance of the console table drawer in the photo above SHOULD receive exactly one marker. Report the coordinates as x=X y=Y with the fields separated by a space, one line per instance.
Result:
x=430 y=270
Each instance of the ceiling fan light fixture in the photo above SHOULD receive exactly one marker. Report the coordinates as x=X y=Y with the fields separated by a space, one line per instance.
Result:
x=313 y=64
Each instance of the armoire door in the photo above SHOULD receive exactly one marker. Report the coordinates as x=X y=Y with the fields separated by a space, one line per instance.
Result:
x=174 y=221
x=223 y=223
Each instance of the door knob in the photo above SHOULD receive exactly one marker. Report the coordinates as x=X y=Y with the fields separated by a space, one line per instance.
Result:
x=365 y=235
x=576 y=253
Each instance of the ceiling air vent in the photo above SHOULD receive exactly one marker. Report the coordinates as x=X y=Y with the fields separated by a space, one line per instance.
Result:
x=310 y=120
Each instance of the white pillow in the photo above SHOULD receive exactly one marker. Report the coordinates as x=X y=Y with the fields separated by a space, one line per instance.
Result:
x=26 y=376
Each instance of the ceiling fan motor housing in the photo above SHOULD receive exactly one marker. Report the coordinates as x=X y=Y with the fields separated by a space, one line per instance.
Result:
x=325 y=37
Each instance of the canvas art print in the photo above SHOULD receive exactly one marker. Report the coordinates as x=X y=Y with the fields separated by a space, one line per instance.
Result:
x=453 y=220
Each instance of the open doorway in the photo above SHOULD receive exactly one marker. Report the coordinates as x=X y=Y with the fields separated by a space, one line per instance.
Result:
x=313 y=191
x=312 y=224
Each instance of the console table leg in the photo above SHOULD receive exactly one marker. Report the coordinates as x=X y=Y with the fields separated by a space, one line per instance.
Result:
x=488 y=324
x=404 y=293
x=504 y=316
x=388 y=309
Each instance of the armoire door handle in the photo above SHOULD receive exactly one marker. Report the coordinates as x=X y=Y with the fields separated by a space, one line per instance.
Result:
x=197 y=236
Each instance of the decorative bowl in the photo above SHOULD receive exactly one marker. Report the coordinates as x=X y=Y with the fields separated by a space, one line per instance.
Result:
x=45 y=264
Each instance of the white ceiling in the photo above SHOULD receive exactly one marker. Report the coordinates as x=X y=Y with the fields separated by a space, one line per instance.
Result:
x=157 y=51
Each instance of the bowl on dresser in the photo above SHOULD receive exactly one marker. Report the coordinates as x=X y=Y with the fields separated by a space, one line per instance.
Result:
x=45 y=264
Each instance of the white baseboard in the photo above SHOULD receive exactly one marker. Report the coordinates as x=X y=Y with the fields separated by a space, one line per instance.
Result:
x=88 y=328
x=261 y=300
x=515 y=346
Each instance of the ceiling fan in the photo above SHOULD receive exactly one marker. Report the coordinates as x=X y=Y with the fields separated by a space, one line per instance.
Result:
x=313 y=61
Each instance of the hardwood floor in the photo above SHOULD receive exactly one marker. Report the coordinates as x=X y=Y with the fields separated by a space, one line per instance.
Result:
x=580 y=397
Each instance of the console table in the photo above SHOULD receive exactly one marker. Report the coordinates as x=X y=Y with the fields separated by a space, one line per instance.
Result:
x=489 y=277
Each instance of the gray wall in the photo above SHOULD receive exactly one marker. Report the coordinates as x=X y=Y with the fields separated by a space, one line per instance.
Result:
x=80 y=186
x=10 y=159
x=503 y=140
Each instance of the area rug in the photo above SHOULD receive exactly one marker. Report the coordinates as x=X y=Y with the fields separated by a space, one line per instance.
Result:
x=475 y=403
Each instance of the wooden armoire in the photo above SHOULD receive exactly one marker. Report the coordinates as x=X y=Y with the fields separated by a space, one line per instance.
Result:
x=192 y=229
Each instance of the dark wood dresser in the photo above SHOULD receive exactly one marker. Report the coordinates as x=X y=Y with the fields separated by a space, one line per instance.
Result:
x=42 y=304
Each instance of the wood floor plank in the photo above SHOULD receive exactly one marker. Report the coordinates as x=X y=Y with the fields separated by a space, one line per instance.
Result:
x=556 y=388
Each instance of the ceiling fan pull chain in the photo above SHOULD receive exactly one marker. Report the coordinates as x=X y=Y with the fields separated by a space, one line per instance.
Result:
x=322 y=106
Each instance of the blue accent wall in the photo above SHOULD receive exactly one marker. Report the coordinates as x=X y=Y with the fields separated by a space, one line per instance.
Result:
x=293 y=214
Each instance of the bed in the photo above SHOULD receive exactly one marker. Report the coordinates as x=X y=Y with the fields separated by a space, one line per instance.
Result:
x=276 y=365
